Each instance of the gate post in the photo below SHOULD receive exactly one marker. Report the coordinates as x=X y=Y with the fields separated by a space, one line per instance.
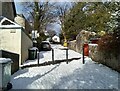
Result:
x=67 y=55
x=85 y=51
x=53 y=55
x=38 y=56
x=83 y=55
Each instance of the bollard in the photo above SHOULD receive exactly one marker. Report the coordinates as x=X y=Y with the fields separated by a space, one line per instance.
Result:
x=53 y=55
x=83 y=55
x=38 y=56
x=85 y=51
x=67 y=55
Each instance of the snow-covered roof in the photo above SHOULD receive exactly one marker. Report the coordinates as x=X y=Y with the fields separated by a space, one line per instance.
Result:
x=55 y=36
x=7 y=23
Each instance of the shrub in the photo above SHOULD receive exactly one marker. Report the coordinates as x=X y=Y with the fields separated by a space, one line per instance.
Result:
x=110 y=44
x=116 y=42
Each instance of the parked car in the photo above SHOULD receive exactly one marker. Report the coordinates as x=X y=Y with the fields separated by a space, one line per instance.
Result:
x=45 y=46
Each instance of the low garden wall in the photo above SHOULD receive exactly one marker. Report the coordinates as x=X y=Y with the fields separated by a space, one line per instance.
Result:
x=108 y=60
x=81 y=38
x=72 y=45
x=93 y=49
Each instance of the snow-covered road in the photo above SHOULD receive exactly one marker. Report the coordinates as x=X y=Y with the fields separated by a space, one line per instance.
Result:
x=73 y=75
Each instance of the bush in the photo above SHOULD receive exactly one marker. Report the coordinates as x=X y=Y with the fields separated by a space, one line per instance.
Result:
x=116 y=42
x=110 y=44
x=104 y=43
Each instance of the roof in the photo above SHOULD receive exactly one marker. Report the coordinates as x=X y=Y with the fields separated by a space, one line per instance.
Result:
x=7 y=23
x=55 y=36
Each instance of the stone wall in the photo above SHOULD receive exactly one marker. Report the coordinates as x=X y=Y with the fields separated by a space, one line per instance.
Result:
x=100 y=57
x=108 y=60
x=104 y=58
x=93 y=49
x=72 y=45
x=82 y=37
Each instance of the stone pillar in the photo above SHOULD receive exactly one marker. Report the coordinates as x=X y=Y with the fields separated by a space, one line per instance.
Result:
x=19 y=19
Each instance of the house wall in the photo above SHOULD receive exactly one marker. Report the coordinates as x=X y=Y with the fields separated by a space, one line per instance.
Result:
x=0 y=8
x=10 y=40
x=16 y=41
x=8 y=10
x=26 y=43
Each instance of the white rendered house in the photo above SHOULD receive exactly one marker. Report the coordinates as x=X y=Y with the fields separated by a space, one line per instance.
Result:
x=14 y=38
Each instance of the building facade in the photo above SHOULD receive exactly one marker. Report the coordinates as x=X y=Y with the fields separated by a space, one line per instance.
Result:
x=13 y=38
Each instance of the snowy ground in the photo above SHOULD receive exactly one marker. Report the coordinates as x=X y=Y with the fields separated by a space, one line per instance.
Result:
x=59 y=54
x=73 y=75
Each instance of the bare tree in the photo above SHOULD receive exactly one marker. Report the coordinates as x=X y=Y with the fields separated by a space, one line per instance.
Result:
x=51 y=33
x=62 y=10
x=40 y=14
